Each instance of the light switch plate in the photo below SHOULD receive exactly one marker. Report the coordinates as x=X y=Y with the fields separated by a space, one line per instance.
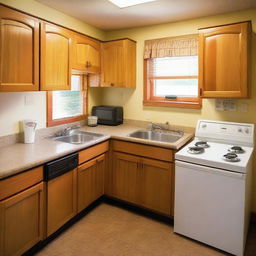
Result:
x=219 y=104
x=29 y=100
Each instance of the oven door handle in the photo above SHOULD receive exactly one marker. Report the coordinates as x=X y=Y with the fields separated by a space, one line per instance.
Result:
x=203 y=168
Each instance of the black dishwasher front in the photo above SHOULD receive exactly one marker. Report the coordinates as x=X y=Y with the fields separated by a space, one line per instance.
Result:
x=60 y=166
x=61 y=186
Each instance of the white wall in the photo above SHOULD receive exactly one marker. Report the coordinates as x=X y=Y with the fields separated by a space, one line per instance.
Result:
x=17 y=106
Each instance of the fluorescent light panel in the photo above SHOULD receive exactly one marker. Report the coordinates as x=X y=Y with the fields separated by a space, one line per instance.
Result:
x=127 y=3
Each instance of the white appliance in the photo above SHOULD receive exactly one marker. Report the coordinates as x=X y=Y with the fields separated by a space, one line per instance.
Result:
x=212 y=185
x=29 y=127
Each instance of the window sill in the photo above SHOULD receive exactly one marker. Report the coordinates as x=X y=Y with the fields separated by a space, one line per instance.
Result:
x=55 y=122
x=174 y=104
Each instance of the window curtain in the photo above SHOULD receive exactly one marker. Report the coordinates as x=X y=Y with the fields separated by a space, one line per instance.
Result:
x=171 y=47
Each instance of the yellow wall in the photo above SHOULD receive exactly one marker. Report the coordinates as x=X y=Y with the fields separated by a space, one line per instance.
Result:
x=132 y=99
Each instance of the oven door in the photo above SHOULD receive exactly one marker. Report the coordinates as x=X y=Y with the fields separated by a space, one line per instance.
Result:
x=210 y=206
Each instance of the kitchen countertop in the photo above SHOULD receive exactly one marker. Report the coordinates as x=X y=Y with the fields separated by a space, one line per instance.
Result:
x=18 y=157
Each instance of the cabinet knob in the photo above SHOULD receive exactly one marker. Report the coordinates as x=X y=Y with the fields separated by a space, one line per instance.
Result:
x=112 y=84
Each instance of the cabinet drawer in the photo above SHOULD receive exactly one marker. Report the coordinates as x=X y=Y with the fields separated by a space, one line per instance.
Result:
x=93 y=151
x=163 y=154
x=19 y=182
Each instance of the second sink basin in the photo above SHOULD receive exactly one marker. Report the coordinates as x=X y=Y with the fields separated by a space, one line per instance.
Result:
x=79 y=137
x=156 y=136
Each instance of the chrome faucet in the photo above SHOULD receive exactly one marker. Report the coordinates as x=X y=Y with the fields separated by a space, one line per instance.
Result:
x=66 y=131
x=154 y=127
x=160 y=127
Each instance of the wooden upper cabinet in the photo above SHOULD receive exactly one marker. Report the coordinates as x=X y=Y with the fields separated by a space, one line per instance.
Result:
x=55 y=58
x=86 y=54
x=19 y=51
x=119 y=64
x=223 y=61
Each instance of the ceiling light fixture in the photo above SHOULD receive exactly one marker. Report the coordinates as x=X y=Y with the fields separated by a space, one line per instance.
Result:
x=127 y=3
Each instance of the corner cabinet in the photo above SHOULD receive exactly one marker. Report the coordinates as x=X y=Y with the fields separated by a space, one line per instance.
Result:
x=86 y=54
x=119 y=64
x=142 y=175
x=224 y=61
x=19 y=49
x=55 y=58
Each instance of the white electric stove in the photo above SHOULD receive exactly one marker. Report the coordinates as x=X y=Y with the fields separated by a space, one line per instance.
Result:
x=212 y=185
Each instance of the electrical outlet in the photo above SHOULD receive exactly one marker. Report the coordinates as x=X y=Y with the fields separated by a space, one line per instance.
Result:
x=229 y=105
x=244 y=107
x=225 y=105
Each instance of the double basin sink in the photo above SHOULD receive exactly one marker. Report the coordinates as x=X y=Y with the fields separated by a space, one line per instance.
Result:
x=80 y=137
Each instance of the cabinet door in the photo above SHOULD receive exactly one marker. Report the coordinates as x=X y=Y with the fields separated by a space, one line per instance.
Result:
x=157 y=185
x=113 y=68
x=61 y=200
x=21 y=219
x=55 y=58
x=90 y=181
x=126 y=177
x=86 y=54
x=223 y=61
x=19 y=49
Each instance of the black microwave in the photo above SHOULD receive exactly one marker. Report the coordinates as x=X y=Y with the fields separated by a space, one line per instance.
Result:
x=108 y=115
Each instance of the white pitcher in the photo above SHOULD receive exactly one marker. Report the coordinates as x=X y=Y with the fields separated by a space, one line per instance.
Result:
x=29 y=127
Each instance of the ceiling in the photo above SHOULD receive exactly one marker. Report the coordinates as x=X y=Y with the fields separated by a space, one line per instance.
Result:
x=105 y=15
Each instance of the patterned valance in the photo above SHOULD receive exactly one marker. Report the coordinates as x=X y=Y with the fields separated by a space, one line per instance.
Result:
x=171 y=47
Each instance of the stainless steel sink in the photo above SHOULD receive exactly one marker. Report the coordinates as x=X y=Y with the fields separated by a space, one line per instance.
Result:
x=156 y=135
x=78 y=137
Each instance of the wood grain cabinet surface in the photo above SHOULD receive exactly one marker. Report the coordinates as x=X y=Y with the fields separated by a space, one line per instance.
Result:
x=90 y=181
x=55 y=58
x=19 y=51
x=86 y=54
x=223 y=61
x=119 y=64
x=61 y=200
x=141 y=180
x=21 y=221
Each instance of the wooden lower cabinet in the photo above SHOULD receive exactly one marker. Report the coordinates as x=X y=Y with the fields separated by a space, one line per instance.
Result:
x=125 y=183
x=90 y=185
x=21 y=221
x=142 y=181
x=61 y=200
x=156 y=185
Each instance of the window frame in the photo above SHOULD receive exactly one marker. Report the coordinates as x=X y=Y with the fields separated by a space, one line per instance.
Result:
x=180 y=102
x=53 y=122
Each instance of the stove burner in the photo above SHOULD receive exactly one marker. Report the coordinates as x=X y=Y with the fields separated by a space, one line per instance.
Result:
x=195 y=150
x=202 y=144
x=236 y=149
x=231 y=157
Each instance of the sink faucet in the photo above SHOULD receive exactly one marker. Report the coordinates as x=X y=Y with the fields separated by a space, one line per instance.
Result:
x=158 y=126
x=154 y=126
x=66 y=131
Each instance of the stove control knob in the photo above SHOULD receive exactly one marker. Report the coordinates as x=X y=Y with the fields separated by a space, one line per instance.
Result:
x=240 y=130
x=204 y=125
x=246 y=130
